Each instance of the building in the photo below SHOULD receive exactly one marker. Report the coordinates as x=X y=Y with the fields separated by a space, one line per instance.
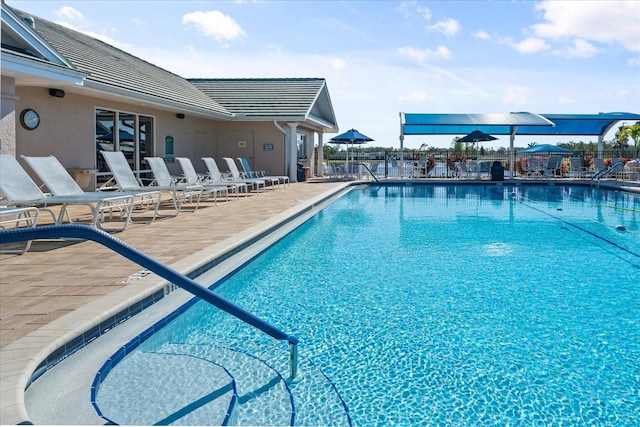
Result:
x=70 y=95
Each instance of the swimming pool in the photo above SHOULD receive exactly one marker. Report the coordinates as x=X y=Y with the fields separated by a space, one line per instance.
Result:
x=415 y=305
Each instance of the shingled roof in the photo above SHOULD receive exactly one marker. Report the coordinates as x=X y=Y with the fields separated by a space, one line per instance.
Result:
x=109 y=70
x=298 y=99
x=106 y=66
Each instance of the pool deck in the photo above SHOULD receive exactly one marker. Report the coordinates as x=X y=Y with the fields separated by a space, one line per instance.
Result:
x=57 y=290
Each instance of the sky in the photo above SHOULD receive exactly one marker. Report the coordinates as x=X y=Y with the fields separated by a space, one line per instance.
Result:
x=380 y=58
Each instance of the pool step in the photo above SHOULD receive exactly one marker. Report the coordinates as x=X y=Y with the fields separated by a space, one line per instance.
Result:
x=153 y=388
x=262 y=394
x=202 y=384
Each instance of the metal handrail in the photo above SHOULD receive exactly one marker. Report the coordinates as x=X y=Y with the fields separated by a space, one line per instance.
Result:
x=368 y=170
x=607 y=171
x=82 y=231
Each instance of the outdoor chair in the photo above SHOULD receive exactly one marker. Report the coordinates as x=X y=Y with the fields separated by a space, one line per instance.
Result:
x=236 y=176
x=553 y=168
x=21 y=191
x=420 y=168
x=527 y=170
x=275 y=179
x=192 y=177
x=181 y=191
x=60 y=183
x=373 y=168
x=462 y=170
x=127 y=182
x=338 y=171
x=217 y=177
x=485 y=168
x=577 y=170
x=537 y=167
x=15 y=218
x=598 y=165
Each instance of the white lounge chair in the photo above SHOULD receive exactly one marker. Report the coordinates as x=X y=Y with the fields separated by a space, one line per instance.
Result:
x=462 y=170
x=236 y=176
x=275 y=179
x=18 y=217
x=192 y=177
x=21 y=191
x=60 y=183
x=529 y=168
x=216 y=176
x=127 y=182
x=180 y=191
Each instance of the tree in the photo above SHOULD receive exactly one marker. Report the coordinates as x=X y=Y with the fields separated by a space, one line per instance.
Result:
x=633 y=132
x=621 y=140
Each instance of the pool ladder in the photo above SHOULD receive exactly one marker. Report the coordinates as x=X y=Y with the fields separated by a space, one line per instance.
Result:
x=81 y=231
x=607 y=171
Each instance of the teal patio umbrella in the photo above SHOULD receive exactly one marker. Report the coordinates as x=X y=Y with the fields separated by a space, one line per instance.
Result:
x=546 y=149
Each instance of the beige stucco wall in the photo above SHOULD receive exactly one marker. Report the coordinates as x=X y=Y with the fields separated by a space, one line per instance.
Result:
x=67 y=131
x=262 y=143
x=8 y=116
x=67 y=128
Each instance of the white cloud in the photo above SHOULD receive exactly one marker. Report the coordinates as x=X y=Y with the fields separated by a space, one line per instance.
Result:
x=424 y=12
x=421 y=55
x=633 y=62
x=581 y=49
x=216 y=24
x=600 y=21
x=482 y=35
x=531 y=45
x=516 y=95
x=407 y=9
x=67 y=12
x=448 y=27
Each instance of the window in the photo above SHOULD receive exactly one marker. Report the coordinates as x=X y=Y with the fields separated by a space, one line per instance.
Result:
x=130 y=133
x=302 y=147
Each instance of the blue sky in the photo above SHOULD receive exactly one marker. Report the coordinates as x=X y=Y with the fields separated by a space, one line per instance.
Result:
x=381 y=58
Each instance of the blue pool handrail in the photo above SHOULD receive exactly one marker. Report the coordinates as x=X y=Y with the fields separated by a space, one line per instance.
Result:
x=81 y=231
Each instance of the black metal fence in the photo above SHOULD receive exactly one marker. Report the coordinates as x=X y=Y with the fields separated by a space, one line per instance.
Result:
x=441 y=163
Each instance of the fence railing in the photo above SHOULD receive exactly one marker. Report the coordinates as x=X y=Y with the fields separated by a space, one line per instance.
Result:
x=445 y=159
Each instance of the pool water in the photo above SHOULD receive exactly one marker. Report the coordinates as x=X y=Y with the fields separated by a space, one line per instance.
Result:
x=422 y=305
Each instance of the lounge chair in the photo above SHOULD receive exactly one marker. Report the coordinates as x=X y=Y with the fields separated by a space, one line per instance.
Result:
x=577 y=170
x=60 y=183
x=127 y=182
x=598 y=165
x=179 y=189
x=18 y=217
x=553 y=168
x=192 y=177
x=216 y=177
x=21 y=191
x=236 y=176
x=275 y=179
x=462 y=170
x=337 y=171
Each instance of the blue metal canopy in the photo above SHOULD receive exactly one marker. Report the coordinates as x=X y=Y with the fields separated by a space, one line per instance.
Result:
x=454 y=124
x=579 y=124
x=513 y=123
